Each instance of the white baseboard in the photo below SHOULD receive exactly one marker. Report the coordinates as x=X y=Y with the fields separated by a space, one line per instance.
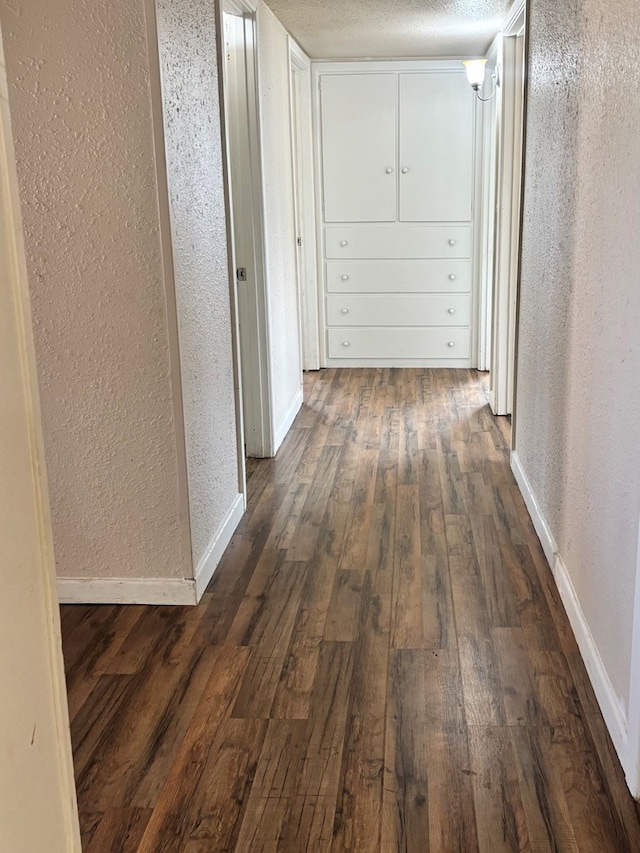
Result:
x=604 y=690
x=155 y=590
x=286 y=422
x=127 y=591
x=539 y=522
x=632 y=766
x=212 y=556
x=605 y=693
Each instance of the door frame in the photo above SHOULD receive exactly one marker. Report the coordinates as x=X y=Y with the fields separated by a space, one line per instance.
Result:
x=487 y=165
x=252 y=378
x=304 y=204
x=39 y=763
x=508 y=207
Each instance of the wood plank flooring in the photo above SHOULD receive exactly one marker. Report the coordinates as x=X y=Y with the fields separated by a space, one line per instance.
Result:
x=381 y=663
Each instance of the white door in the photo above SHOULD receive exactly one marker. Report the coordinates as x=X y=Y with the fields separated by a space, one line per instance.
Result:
x=37 y=794
x=436 y=148
x=242 y=152
x=359 y=118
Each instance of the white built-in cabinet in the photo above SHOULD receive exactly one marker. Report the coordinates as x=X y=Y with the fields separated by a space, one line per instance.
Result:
x=396 y=183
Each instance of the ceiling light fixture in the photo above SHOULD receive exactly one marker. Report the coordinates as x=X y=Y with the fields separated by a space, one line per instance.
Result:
x=475 y=69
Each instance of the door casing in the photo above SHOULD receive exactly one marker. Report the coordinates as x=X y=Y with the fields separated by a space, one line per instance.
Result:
x=243 y=183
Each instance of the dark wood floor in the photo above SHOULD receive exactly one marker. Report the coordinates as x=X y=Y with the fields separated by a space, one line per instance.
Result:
x=381 y=663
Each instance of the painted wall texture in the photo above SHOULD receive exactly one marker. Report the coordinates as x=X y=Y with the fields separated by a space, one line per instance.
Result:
x=578 y=394
x=280 y=227
x=188 y=59
x=79 y=93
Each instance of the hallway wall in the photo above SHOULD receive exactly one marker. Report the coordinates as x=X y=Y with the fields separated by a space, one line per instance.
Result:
x=578 y=386
x=192 y=137
x=79 y=93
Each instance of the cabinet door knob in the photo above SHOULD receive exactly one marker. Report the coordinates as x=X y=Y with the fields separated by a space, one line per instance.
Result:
x=452 y=242
x=451 y=344
x=345 y=277
x=389 y=170
x=343 y=243
x=452 y=277
x=345 y=310
x=452 y=310
x=404 y=170
x=346 y=344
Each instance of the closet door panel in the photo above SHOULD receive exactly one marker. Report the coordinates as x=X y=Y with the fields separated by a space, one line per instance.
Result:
x=436 y=147
x=359 y=119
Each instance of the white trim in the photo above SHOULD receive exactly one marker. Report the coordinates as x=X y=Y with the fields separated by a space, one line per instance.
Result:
x=632 y=764
x=510 y=128
x=515 y=19
x=302 y=140
x=127 y=591
x=254 y=337
x=485 y=216
x=316 y=117
x=30 y=613
x=156 y=590
x=604 y=690
x=208 y=563
x=356 y=66
x=541 y=527
x=240 y=7
x=289 y=418
x=298 y=57
x=605 y=693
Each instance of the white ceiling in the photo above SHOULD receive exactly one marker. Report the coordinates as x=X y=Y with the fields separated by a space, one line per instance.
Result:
x=349 y=29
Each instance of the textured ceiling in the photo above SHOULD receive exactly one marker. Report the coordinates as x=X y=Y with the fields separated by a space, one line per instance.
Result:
x=349 y=29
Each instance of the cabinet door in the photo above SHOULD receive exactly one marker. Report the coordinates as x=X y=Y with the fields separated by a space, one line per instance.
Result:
x=436 y=147
x=359 y=119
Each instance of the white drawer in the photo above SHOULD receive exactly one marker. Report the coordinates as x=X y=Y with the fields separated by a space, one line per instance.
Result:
x=406 y=309
x=398 y=276
x=398 y=241
x=380 y=343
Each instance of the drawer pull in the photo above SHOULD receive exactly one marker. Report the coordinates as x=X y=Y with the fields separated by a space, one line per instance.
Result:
x=452 y=310
x=452 y=242
x=389 y=170
x=452 y=277
x=344 y=277
x=343 y=243
x=451 y=344
x=346 y=344
x=345 y=310
x=404 y=170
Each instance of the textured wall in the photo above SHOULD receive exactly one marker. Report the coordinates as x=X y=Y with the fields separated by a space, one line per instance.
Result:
x=79 y=92
x=280 y=233
x=578 y=397
x=187 y=39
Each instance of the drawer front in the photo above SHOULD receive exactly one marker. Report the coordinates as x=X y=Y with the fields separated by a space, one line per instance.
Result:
x=398 y=241
x=398 y=276
x=431 y=309
x=438 y=343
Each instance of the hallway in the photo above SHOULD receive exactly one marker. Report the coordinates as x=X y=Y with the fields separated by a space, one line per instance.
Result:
x=381 y=662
